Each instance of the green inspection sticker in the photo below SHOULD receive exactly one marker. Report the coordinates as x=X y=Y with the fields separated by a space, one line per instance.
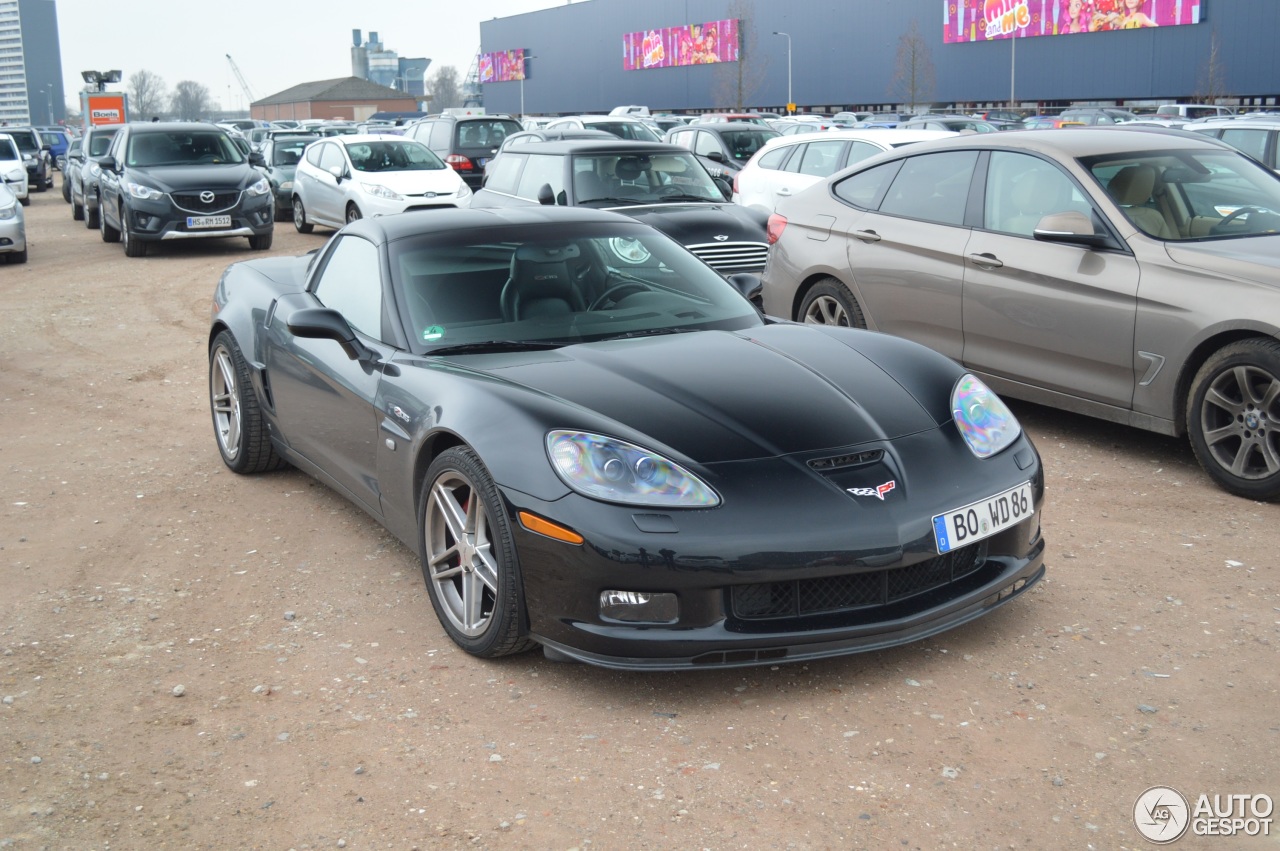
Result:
x=435 y=332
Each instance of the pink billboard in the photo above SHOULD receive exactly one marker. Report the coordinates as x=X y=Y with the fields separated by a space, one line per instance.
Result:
x=986 y=20
x=692 y=44
x=502 y=67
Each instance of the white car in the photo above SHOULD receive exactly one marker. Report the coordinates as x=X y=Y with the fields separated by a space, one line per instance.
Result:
x=344 y=178
x=789 y=164
x=13 y=228
x=13 y=171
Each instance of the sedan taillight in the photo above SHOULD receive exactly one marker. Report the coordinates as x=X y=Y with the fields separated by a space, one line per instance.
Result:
x=459 y=163
x=777 y=224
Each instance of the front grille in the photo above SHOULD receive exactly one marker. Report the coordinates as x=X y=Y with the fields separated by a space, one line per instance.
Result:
x=834 y=594
x=730 y=257
x=191 y=202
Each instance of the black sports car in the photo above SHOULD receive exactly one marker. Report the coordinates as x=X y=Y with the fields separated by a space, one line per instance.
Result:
x=597 y=444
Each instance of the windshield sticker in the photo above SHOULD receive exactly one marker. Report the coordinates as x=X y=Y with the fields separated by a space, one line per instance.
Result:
x=435 y=332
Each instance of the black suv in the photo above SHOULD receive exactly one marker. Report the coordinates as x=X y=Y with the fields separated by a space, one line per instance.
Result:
x=181 y=181
x=465 y=143
x=35 y=156
x=723 y=148
x=661 y=185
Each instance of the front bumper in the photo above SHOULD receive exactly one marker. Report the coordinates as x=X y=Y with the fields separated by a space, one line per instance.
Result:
x=161 y=219
x=13 y=236
x=863 y=575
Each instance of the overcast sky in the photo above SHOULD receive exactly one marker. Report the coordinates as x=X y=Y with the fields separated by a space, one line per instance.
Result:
x=277 y=44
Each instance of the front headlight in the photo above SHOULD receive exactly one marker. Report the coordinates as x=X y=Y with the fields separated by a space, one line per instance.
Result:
x=616 y=471
x=143 y=192
x=985 y=422
x=94 y=169
x=262 y=187
x=286 y=185
x=463 y=189
x=9 y=212
x=15 y=175
x=377 y=190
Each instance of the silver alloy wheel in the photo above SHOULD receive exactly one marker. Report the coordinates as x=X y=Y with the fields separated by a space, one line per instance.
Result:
x=225 y=402
x=353 y=213
x=299 y=216
x=460 y=560
x=826 y=310
x=1240 y=419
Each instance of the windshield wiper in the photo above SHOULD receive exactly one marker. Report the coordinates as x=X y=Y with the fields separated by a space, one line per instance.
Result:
x=498 y=346
x=653 y=332
x=613 y=201
x=664 y=199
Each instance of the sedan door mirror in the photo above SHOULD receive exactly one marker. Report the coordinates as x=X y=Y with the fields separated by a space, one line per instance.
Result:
x=726 y=188
x=323 y=323
x=717 y=156
x=1071 y=228
x=337 y=172
x=107 y=163
x=546 y=196
x=256 y=158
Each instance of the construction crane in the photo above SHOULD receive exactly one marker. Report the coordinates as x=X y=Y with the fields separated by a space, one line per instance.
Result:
x=244 y=85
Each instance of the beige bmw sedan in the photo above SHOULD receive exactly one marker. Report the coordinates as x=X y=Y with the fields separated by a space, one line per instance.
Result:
x=1130 y=275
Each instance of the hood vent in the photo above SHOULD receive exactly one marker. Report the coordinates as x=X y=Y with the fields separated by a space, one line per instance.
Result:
x=838 y=462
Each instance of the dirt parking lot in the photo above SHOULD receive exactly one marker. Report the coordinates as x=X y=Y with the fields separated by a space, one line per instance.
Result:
x=193 y=659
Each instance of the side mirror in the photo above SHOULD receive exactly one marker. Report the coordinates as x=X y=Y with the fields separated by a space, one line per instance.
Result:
x=107 y=164
x=256 y=158
x=726 y=188
x=1071 y=228
x=748 y=285
x=336 y=171
x=546 y=197
x=717 y=156
x=322 y=323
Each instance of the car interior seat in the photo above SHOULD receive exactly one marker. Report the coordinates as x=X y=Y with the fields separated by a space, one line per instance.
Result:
x=587 y=186
x=630 y=173
x=539 y=283
x=1132 y=188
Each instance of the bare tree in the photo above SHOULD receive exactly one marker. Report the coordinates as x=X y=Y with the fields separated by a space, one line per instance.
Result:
x=913 y=75
x=1213 y=74
x=147 y=94
x=443 y=88
x=736 y=83
x=190 y=101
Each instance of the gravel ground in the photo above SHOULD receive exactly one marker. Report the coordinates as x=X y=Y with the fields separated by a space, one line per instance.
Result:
x=193 y=659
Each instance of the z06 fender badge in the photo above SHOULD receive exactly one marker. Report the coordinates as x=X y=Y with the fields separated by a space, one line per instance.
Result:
x=878 y=491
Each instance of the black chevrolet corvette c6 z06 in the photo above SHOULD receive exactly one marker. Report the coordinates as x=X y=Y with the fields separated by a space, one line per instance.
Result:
x=596 y=444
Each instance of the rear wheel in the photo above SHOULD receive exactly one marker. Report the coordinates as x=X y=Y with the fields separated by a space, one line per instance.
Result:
x=1233 y=418
x=77 y=210
x=829 y=302
x=91 y=214
x=66 y=188
x=300 y=216
x=238 y=423
x=469 y=557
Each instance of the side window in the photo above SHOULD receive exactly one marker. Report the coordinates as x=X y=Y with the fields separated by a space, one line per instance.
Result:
x=774 y=159
x=1022 y=189
x=793 y=164
x=540 y=170
x=821 y=159
x=1252 y=142
x=683 y=138
x=441 y=135
x=865 y=188
x=932 y=187
x=313 y=155
x=705 y=144
x=859 y=151
x=331 y=156
x=351 y=284
x=506 y=169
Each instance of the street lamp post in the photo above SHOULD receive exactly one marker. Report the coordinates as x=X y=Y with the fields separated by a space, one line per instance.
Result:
x=790 y=109
x=523 y=74
x=99 y=79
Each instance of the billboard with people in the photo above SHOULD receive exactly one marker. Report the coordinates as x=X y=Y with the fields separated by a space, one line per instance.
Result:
x=987 y=20
x=691 y=44
x=502 y=67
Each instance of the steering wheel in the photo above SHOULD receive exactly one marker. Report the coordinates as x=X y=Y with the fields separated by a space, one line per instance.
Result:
x=611 y=294
x=1232 y=216
x=669 y=189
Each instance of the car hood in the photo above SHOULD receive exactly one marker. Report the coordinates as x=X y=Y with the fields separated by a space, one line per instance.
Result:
x=718 y=396
x=186 y=178
x=443 y=181
x=1255 y=258
x=696 y=223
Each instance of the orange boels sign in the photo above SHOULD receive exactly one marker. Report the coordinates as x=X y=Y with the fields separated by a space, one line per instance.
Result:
x=105 y=109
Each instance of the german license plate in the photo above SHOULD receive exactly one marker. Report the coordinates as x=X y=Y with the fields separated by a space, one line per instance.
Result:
x=982 y=519
x=194 y=222
x=480 y=161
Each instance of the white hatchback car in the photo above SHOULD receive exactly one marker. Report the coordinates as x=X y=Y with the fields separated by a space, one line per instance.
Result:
x=13 y=172
x=344 y=178
x=789 y=164
x=13 y=228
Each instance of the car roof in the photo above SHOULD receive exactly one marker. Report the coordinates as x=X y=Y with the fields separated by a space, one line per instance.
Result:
x=888 y=135
x=1270 y=122
x=388 y=228
x=603 y=146
x=357 y=138
x=1076 y=142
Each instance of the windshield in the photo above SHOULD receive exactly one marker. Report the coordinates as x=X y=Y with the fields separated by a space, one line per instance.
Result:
x=26 y=141
x=627 y=130
x=100 y=142
x=9 y=151
x=1191 y=195
x=610 y=179
x=557 y=284
x=742 y=144
x=288 y=151
x=181 y=147
x=389 y=155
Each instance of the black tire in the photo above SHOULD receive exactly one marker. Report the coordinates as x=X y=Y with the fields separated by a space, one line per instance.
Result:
x=17 y=256
x=41 y=185
x=133 y=247
x=26 y=202
x=283 y=214
x=261 y=241
x=77 y=211
x=1233 y=418
x=109 y=234
x=238 y=425
x=91 y=216
x=458 y=485
x=300 y=217
x=829 y=302
x=66 y=189
x=353 y=213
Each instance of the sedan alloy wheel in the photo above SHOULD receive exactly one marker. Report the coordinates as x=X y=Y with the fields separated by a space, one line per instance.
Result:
x=829 y=302
x=1234 y=418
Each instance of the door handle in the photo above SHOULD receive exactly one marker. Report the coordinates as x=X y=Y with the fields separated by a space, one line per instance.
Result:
x=866 y=235
x=986 y=261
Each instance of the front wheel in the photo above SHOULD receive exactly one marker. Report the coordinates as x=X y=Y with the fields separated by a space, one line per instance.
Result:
x=353 y=213
x=133 y=247
x=92 y=215
x=261 y=241
x=469 y=557
x=300 y=217
x=109 y=234
x=829 y=302
x=18 y=256
x=1233 y=418
x=238 y=423
x=66 y=188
